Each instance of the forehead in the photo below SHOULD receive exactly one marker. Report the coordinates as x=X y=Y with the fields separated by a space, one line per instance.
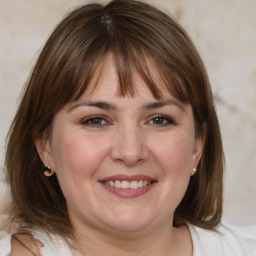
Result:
x=106 y=81
x=103 y=91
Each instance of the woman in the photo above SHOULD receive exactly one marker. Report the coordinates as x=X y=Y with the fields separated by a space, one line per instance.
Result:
x=115 y=148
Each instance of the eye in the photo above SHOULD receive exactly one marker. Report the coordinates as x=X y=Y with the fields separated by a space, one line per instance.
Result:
x=161 y=121
x=95 y=121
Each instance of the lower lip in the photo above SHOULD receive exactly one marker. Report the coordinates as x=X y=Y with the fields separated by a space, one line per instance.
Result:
x=129 y=193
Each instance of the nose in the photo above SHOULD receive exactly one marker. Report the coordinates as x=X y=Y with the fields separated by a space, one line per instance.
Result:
x=129 y=146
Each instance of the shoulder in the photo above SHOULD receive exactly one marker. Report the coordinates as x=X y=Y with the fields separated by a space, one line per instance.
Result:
x=33 y=242
x=25 y=244
x=5 y=245
x=249 y=234
x=225 y=240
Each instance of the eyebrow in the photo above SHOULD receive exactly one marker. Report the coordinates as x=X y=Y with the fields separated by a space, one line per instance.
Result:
x=160 y=104
x=98 y=104
x=107 y=106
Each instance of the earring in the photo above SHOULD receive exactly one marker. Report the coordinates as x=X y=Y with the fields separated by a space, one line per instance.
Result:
x=48 y=171
x=194 y=169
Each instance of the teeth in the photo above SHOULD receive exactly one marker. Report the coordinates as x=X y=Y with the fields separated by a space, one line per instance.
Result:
x=118 y=184
x=140 y=183
x=124 y=184
x=134 y=184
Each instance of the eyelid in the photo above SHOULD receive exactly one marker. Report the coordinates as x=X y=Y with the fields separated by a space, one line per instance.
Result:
x=170 y=120
x=85 y=120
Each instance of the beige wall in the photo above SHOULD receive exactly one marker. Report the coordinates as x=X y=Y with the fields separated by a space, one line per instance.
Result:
x=225 y=34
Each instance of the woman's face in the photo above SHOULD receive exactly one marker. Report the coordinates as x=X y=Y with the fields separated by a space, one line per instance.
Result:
x=123 y=163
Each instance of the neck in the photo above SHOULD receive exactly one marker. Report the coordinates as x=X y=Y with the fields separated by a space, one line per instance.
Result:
x=163 y=241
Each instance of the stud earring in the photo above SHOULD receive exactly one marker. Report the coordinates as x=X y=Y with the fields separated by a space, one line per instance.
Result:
x=48 y=171
x=194 y=169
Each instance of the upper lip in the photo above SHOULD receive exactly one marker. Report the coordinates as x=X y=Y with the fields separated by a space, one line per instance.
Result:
x=127 y=177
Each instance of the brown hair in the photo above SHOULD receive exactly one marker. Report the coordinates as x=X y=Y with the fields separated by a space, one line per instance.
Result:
x=133 y=32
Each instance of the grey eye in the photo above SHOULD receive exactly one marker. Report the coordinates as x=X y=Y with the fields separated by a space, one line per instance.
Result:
x=94 y=121
x=161 y=121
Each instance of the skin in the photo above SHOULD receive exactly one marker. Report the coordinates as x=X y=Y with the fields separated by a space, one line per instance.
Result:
x=127 y=137
x=25 y=245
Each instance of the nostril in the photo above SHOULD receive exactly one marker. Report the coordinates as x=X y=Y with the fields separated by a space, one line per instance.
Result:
x=130 y=149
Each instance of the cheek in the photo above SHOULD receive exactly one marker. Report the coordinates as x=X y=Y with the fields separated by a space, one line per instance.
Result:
x=173 y=159
x=76 y=159
x=174 y=153
x=76 y=155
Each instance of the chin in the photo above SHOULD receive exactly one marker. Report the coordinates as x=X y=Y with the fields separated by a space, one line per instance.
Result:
x=129 y=221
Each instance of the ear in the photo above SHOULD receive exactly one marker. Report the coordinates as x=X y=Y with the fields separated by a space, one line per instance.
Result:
x=44 y=151
x=198 y=148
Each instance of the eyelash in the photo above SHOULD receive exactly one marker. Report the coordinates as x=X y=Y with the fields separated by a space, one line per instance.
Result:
x=88 y=121
x=103 y=121
x=166 y=120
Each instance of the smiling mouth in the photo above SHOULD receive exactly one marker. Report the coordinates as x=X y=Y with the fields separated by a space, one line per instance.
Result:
x=125 y=184
x=128 y=186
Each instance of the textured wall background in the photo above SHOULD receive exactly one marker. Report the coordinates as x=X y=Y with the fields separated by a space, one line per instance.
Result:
x=225 y=34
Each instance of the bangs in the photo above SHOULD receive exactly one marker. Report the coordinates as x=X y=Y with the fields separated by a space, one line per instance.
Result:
x=74 y=56
x=129 y=60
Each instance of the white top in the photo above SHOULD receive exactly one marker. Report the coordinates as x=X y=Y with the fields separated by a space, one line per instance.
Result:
x=225 y=242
